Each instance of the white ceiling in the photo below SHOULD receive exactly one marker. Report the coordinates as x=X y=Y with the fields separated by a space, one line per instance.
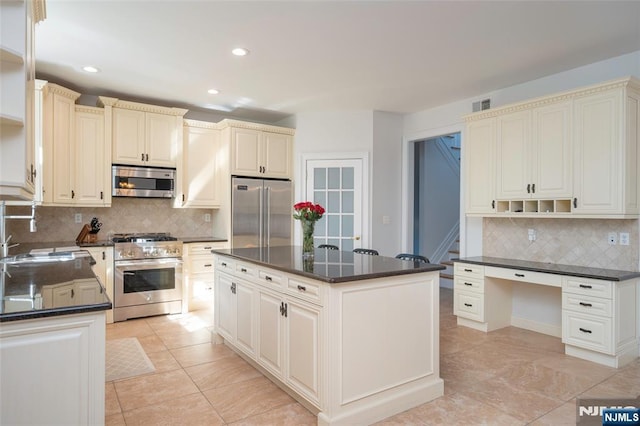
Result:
x=395 y=56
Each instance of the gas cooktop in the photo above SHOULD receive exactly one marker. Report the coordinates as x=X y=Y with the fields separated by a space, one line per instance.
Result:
x=142 y=237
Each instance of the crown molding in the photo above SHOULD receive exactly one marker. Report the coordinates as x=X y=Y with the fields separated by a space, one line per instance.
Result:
x=39 y=11
x=628 y=82
x=90 y=109
x=200 y=124
x=256 y=126
x=136 y=106
x=62 y=91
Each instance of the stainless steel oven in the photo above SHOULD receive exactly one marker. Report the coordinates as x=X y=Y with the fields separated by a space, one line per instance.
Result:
x=147 y=276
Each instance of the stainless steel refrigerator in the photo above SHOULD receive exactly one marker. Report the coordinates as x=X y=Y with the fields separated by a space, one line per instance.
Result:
x=261 y=212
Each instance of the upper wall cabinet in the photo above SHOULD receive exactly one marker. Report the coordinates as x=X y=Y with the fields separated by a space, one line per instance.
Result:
x=201 y=165
x=259 y=150
x=75 y=152
x=18 y=169
x=573 y=154
x=143 y=135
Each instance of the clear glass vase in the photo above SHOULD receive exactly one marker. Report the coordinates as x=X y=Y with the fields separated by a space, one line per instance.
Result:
x=307 y=237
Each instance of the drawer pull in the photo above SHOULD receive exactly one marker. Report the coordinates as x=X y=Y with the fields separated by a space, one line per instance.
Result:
x=468 y=305
x=268 y=278
x=584 y=330
x=588 y=305
x=468 y=270
x=469 y=284
x=208 y=248
x=208 y=265
x=224 y=264
x=520 y=275
x=585 y=286
x=243 y=269
x=302 y=288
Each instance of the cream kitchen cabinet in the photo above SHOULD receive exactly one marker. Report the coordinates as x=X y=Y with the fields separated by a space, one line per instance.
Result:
x=200 y=172
x=104 y=271
x=235 y=312
x=288 y=341
x=143 y=135
x=53 y=370
x=607 y=152
x=259 y=150
x=75 y=153
x=18 y=168
x=478 y=159
x=533 y=153
x=199 y=268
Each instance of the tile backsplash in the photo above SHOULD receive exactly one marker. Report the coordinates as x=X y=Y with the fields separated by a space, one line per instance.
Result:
x=124 y=215
x=581 y=242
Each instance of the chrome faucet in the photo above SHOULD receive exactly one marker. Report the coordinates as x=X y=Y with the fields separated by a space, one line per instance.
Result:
x=4 y=240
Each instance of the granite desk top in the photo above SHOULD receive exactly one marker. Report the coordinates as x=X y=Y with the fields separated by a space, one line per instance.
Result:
x=331 y=266
x=553 y=268
x=28 y=289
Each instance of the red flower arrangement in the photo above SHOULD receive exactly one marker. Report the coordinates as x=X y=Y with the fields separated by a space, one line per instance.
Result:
x=306 y=210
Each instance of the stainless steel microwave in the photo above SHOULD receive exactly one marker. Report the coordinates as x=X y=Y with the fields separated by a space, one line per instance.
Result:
x=142 y=182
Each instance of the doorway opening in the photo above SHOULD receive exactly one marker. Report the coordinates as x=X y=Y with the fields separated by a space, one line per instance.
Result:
x=436 y=197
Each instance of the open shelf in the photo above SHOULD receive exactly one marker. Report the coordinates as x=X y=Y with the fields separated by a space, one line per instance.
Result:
x=533 y=207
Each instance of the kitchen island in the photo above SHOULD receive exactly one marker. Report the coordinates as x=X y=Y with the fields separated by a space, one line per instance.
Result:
x=52 y=340
x=355 y=338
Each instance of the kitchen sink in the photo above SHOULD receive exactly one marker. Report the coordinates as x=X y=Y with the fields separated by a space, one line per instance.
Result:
x=28 y=258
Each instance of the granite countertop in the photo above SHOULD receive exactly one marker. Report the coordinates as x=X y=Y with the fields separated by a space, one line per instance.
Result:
x=188 y=240
x=553 y=268
x=331 y=266
x=28 y=289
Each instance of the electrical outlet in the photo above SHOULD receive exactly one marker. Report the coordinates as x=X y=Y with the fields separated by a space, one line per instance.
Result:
x=532 y=235
x=624 y=239
x=612 y=239
x=78 y=217
x=207 y=217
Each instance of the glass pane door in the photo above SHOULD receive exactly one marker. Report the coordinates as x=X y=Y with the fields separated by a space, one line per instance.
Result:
x=337 y=186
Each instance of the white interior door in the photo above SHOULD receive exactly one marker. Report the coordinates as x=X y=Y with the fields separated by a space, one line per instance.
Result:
x=336 y=184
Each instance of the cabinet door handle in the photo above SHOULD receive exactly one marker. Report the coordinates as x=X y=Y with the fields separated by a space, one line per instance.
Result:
x=528 y=188
x=468 y=270
x=268 y=278
x=101 y=195
x=142 y=157
x=519 y=275
x=104 y=256
x=73 y=294
x=73 y=194
x=584 y=330
x=469 y=284
x=282 y=308
x=575 y=203
x=302 y=288
x=588 y=305
x=493 y=204
x=585 y=286
x=533 y=188
x=285 y=310
x=468 y=305
x=208 y=265
x=146 y=157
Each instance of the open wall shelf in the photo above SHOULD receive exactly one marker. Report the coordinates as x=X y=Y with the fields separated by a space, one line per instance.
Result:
x=542 y=207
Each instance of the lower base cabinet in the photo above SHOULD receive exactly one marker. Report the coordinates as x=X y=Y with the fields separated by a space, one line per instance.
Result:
x=354 y=352
x=53 y=370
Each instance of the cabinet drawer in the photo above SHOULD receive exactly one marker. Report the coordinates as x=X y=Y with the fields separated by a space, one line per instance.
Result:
x=194 y=249
x=524 y=276
x=226 y=264
x=468 y=305
x=305 y=290
x=245 y=269
x=201 y=265
x=468 y=270
x=270 y=278
x=587 y=305
x=469 y=284
x=587 y=331
x=595 y=288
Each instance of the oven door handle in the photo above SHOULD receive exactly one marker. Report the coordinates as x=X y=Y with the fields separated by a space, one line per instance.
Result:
x=142 y=263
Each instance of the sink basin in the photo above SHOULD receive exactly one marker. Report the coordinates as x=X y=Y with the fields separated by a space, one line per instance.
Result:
x=28 y=258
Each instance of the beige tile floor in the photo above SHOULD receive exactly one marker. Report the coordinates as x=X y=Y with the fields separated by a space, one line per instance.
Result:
x=507 y=377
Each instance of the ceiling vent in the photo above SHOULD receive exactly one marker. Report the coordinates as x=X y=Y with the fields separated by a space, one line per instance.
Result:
x=481 y=105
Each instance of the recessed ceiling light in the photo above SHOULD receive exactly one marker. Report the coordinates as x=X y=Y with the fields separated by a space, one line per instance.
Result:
x=89 y=68
x=240 y=51
x=213 y=91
